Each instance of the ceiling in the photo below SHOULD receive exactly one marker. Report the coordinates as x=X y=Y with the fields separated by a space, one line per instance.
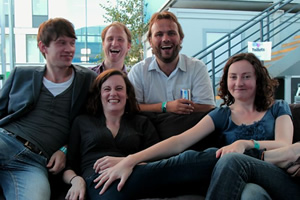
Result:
x=247 y=5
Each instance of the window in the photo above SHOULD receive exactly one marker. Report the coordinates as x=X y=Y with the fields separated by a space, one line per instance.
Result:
x=7 y=49
x=39 y=12
x=33 y=54
x=6 y=9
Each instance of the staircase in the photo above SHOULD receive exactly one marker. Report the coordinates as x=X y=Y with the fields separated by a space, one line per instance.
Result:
x=285 y=61
x=280 y=24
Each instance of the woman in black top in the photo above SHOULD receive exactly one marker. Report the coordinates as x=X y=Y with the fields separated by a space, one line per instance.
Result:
x=110 y=130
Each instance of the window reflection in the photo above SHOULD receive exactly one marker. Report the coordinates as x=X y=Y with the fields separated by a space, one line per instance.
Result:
x=86 y=15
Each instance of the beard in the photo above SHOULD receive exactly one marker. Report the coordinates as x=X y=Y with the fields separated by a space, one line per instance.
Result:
x=157 y=52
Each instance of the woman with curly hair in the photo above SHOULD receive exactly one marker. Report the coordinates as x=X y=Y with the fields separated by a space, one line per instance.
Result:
x=249 y=118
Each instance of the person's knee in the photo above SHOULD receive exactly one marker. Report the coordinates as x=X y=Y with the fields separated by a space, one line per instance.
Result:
x=192 y=154
x=254 y=191
x=231 y=158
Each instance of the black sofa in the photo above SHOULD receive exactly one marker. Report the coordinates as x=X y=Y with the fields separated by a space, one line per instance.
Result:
x=167 y=125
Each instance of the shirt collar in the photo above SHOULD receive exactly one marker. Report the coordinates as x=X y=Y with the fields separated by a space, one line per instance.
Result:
x=154 y=64
x=100 y=68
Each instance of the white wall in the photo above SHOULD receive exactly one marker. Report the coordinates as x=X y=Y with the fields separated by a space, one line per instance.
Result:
x=201 y=27
x=196 y=23
x=23 y=13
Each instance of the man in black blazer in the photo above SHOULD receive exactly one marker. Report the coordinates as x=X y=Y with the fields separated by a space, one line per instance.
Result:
x=37 y=107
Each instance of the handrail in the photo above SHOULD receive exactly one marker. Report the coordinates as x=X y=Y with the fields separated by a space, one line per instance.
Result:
x=266 y=31
x=249 y=21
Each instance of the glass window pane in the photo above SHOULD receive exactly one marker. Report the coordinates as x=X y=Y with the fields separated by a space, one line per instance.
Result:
x=5 y=7
x=7 y=49
x=38 y=19
x=39 y=7
x=33 y=54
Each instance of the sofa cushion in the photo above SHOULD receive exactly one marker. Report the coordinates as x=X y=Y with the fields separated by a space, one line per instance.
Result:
x=170 y=124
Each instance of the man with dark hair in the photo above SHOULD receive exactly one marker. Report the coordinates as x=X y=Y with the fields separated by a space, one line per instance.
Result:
x=38 y=105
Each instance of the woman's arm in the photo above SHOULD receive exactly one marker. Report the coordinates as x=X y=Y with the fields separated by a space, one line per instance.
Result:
x=283 y=137
x=163 y=149
x=284 y=157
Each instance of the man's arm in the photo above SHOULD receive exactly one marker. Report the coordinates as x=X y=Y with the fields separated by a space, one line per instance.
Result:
x=57 y=162
x=179 y=106
x=4 y=94
x=202 y=90
x=157 y=107
x=135 y=77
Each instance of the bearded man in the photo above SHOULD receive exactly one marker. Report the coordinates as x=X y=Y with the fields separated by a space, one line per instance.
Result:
x=158 y=80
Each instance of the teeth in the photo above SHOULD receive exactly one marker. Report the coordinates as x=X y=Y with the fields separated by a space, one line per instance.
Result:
x=113 y=101
x=166 y=47
x=114 y=51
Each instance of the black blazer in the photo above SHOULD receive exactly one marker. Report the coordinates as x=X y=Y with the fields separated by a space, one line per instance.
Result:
x=21 y=90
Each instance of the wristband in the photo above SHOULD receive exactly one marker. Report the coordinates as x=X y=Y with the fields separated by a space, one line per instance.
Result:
x=256 y=144
x=164 y=107
x=64 y=149
x=72 y=178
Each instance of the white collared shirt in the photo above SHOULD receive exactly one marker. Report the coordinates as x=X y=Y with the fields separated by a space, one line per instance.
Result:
x=153 y=86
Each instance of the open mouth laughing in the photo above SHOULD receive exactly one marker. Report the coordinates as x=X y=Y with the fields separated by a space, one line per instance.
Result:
x=114 y=51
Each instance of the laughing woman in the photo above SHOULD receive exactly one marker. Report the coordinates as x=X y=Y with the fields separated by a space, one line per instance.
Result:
x=110 y=130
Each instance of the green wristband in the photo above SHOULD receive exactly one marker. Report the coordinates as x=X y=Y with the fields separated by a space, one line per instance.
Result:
x=64 y=149
x=256 y=144
x=164 y=107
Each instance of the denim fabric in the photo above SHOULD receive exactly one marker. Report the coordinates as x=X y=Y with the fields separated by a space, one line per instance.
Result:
x=233 y=171
x=23 y=174
x=254 y=191
x=186 y=173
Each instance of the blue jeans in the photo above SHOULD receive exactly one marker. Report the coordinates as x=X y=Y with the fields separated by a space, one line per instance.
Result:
x=23 y=174
x=186 y=173
x=233 y=171
x=254 y=191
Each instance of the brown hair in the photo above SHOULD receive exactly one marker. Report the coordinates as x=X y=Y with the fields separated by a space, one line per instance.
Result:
x=265 y=85
x=52 y=29
x=119 y=25
x=164 y=15
x=94 y=105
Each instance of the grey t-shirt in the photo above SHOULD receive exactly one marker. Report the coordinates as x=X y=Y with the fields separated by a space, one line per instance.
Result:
x=48 y=124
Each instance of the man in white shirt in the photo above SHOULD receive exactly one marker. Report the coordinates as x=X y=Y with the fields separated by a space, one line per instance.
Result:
x=158 y=80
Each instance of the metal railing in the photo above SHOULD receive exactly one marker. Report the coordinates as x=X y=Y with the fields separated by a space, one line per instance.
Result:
x=266 y=26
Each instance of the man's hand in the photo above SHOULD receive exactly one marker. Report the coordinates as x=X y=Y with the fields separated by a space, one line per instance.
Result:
x=77 y=191
x=180 y=106
x=106 y=162
x=57 y=162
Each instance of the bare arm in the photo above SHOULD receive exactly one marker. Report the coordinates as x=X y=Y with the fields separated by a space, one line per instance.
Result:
x=285 y=156
x=179 y=106
x=77 y=190
x=283 y=137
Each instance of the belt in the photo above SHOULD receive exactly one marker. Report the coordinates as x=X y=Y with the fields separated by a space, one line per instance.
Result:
x=29 y=145
x=26 y=143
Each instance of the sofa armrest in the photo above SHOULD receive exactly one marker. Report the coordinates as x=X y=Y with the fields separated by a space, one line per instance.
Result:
x=295 y=109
